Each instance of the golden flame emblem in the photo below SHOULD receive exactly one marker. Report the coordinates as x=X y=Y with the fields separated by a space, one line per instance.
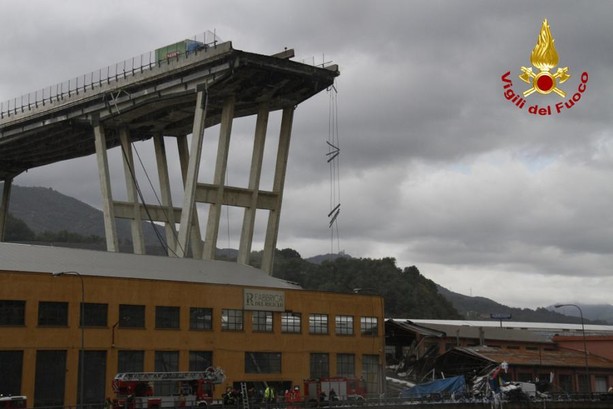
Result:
x=544 y=57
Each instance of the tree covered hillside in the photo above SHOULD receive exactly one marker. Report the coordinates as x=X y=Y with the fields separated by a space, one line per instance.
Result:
x=407 y=293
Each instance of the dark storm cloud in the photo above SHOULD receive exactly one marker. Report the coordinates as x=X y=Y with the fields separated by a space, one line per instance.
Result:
x=437 y=168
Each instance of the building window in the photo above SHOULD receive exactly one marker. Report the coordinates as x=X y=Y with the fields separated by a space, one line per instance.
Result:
x=262 y=362
x=600 y=384
x=94 y=315
x=231 y=320
x=369 y=326
x=370 y=373
x=11 y=364
x=167 y=317
x=291 y=322
x=166 y=361
x=94 y=368
x=53 y=314
x=345 y=365
x=200 y=360
x=50 y=365
x=344 y=324
x=320 y=366
x=583 y=384
x=131 y=316
x=130 y=361
x=318 y=324
x=565 y=382
x=261 y=321
x=12 y=312
x=200 y=318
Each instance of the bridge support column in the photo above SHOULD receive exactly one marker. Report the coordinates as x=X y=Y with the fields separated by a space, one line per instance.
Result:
x=246 y=239
x=162 y=165
x=138 y=242
x=4 y=207
x=221 y=165
x=272 y=229
x=196 y=238
x=191 y=176
x=110 y=229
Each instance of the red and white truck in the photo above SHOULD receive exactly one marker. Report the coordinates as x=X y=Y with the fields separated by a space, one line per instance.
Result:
x=153 y=390
x=322 y=391
x=13 y=402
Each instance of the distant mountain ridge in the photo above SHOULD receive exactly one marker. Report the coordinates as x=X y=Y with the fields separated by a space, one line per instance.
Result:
x=597 y=312
x=480 y=308
x=44 y=209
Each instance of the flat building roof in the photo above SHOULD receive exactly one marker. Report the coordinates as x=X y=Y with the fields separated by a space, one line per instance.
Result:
x=48 y=259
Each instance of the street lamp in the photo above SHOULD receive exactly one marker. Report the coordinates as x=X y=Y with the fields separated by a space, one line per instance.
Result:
x=82 y=319
x=587 y=367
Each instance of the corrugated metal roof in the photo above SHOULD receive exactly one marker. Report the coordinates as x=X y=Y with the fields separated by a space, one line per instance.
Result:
x=45 y=259
x=490 y=333
x=525 y=357
x=407 y=325
x=544 y=327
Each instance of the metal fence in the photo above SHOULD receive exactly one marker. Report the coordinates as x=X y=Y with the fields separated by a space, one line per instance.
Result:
x=566 y=401
x=95 y=79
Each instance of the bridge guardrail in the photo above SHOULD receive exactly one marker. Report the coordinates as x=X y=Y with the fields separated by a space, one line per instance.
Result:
x=88 y=82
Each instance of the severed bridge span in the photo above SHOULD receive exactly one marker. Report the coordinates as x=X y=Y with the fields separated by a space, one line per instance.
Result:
x=176 y=91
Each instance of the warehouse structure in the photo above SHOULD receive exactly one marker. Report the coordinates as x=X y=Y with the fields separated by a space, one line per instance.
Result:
x=124 y=312
x=571 y=363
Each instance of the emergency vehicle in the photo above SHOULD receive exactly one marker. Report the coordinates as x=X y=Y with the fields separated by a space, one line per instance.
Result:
x=319 y=392
x=13 y=402
x=140 y=390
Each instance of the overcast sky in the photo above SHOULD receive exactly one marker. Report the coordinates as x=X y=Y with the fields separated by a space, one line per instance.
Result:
x=437 y=168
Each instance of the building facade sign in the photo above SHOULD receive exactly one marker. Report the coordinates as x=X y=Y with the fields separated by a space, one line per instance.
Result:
x=263 y=300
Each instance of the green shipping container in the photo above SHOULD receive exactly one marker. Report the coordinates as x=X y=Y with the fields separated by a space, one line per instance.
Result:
x=177 y=49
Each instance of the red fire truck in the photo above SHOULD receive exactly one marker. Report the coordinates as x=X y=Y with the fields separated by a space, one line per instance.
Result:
x=13 y=402
x=152 y=390
x=322 y=391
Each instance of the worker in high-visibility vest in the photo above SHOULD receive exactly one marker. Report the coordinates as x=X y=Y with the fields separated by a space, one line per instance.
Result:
x=269 y=396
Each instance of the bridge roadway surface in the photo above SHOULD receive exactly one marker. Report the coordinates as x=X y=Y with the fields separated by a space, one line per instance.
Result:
x=157 y=101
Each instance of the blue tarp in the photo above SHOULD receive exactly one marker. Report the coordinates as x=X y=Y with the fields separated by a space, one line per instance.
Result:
x=440 y=386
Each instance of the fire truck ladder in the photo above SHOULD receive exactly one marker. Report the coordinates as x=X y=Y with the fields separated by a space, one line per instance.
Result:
x=244 y=395
x=216 y=376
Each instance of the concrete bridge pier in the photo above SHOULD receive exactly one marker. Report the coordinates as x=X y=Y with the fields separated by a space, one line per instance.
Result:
x=138 y=241
x=255 y=173
x=110 y=228
x=196 y=237
x=191 y=175
x=4 y=206
x=272 y=229
x=165 y=191
x=221 y=166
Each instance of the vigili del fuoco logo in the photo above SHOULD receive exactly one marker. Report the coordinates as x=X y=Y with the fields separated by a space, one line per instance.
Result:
x=544 y=58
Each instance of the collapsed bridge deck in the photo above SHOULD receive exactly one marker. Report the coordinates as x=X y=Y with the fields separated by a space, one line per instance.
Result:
x=172 y=97
x=158 y=101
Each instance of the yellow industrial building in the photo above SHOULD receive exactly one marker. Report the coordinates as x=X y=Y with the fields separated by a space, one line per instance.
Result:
x=126 y=312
